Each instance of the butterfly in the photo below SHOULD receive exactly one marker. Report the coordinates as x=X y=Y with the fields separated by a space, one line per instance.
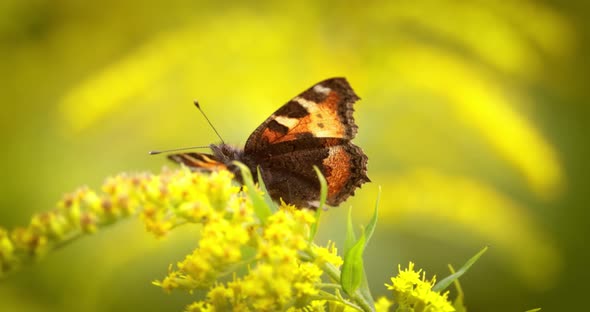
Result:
x=314 y=128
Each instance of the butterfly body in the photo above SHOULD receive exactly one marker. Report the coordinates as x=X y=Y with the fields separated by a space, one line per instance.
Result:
x=314 y=128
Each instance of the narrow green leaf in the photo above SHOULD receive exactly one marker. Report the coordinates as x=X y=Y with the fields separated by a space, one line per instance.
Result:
x=373 y=222
x=269 y=202
x=445 y=282
x=260 y=207
x=458 y=303
x=364 y=291
x=353 y=267
x=323 y=188
x=350 y=237
x=323 y=197
x=314 y=227
x=534 y=310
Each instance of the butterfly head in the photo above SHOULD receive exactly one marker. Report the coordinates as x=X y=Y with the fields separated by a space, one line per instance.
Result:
x=226 y=153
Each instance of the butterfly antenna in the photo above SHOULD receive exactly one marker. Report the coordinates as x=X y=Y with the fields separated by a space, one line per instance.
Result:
x=202 y=112
x=175 y=149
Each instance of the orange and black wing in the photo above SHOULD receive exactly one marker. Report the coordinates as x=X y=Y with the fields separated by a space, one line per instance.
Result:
x=314 y=128
x=322 y=111
x=289 y=173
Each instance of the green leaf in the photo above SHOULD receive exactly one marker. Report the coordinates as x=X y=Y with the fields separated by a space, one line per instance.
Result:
x=269 y=202
x=364 y=291
x=353 y=268
x=323 y=197
x=314 y=227
x=534 y=310
x=353 y=278
x=445 y=282
x=261 y=209
x=350 y=236
x=458 y=303
x=373 y=222
x=323 y=187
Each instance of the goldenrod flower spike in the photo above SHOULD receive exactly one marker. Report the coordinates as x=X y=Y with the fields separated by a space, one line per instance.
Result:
x=285 y=269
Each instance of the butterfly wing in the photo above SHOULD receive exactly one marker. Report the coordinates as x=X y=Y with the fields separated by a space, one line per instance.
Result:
x=314 y=128
x=289 y=172
x=198 y=161
x=322 y=111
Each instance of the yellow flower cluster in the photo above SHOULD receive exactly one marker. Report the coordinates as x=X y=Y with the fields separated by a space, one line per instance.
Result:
x=271 y=254
x=414 y=293
x=183 y=196
x=227 y=219
x=277 y=278
x=283 y=269
x=165 y=201
x=80 y=212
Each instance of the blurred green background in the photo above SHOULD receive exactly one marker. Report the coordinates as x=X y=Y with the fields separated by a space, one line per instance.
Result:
x=473 y=114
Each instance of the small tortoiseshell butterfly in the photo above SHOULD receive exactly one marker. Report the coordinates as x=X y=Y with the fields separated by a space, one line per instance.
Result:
x=314 y=128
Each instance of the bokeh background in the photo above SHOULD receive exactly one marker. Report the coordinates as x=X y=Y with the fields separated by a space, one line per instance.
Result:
x=474 y=116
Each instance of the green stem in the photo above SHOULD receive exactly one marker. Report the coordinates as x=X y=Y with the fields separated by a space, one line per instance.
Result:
x=364 y=304
x=330 y=285
x=59 y=244
x=331 y=297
